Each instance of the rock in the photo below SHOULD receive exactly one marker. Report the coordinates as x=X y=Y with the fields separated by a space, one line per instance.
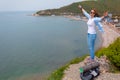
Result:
x=104 y=64
x=103 y=61
x=72 y=73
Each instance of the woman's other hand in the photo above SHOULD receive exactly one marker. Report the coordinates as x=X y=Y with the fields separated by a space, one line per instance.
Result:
x=105 y=14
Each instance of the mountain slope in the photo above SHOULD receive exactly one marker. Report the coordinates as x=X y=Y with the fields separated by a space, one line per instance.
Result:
x=113 y=6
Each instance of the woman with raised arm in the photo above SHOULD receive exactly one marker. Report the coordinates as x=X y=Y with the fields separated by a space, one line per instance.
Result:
x=93 y=21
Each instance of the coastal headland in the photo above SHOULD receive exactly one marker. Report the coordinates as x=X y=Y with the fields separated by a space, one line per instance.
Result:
x=111 y=33
x=108 y=37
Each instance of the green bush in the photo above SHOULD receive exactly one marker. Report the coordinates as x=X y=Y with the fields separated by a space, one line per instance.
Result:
x=112 y=52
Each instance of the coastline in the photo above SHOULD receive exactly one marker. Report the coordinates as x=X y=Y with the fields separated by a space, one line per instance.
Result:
x=110 y=31
x=108 y=37
x=77 y=18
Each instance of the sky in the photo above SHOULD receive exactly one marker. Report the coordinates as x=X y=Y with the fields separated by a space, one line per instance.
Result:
x=33 y=5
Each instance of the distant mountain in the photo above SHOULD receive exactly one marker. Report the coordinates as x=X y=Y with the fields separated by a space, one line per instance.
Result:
x=113 y=6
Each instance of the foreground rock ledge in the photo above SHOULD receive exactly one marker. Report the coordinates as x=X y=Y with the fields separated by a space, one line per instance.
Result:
x=72 y=73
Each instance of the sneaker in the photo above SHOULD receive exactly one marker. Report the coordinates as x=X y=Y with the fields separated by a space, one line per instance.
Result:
x=90 y=61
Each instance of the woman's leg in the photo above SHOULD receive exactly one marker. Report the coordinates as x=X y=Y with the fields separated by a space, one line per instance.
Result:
x=91 y=44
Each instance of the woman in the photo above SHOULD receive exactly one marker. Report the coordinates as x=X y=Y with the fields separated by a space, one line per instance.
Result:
x=93 y=20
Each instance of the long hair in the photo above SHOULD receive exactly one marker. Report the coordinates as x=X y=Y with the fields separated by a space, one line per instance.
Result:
x=95 y=12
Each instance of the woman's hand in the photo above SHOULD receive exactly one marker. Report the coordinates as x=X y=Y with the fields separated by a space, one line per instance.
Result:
x=79 y=6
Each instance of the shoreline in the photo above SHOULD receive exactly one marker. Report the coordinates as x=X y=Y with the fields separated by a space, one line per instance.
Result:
x=108 y=37
x=77 y=18
x=110 y=31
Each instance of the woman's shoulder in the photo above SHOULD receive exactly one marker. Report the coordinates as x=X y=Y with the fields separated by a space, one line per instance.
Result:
x=97 y=19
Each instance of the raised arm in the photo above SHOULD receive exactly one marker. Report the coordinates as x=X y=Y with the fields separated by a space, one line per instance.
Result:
x=84 y=12
x=98 y=19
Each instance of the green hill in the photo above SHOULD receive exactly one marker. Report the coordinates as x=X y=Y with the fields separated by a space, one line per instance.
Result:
x=113 y=6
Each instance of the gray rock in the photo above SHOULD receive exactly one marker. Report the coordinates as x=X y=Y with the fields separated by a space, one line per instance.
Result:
x=72 y=73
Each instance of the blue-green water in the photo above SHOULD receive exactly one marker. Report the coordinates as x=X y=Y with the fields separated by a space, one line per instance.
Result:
x=38 y=45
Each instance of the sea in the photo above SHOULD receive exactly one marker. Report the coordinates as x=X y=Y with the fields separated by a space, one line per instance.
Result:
x=31 y=47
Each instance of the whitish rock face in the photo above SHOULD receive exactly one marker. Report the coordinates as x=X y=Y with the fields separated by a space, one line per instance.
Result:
x=103 y=61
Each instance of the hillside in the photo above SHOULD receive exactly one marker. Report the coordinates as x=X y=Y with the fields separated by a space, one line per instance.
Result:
x=101 y=5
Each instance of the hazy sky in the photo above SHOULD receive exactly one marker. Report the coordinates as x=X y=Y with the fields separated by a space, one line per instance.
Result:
x=32 y=5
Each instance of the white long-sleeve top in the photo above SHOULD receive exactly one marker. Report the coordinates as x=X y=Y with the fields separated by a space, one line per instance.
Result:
x=91 y=26
x=92 y=23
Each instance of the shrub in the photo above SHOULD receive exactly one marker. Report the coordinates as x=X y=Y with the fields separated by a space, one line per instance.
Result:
x=112 y=52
